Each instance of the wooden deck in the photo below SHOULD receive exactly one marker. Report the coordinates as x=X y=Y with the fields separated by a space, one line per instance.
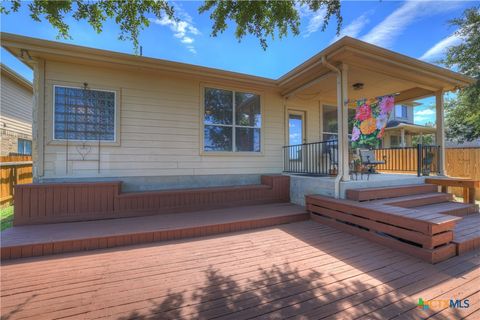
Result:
x=412 y=218
x=38 y=240
x=427 y=236
x=302 y=270
x=467 y=234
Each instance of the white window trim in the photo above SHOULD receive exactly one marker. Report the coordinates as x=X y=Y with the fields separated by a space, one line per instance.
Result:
x=234 y=152
x=115 y=118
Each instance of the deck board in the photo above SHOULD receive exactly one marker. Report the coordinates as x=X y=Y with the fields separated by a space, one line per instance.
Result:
x=35 y=240
x=302 y=269
x=467 y=233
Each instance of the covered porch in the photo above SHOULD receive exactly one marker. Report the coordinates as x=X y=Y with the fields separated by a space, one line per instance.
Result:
x=318 y=99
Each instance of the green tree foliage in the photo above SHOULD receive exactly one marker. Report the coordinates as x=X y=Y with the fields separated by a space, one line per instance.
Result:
x=130 y=15
x=264 y=19
x=261 y=19
x=463 y=112
x=426 y=139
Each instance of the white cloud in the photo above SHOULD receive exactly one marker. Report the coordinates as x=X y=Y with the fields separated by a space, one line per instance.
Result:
x=425 y=112
x=182 y=29
x=187 y=40
x=192 y=49
x=354 y=28
x=440 y=48
x=385 y=33
x=316 y=21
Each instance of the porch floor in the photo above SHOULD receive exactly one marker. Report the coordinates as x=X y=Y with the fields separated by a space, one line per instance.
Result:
x=37 y=240
x=302 y=269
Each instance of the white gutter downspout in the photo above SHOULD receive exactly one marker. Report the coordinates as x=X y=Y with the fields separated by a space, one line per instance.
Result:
x=340 y=124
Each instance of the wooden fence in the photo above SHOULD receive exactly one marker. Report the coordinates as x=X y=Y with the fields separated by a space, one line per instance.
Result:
x=459 y=162
x=13 y=170
x=406 y=160
x=463 y=162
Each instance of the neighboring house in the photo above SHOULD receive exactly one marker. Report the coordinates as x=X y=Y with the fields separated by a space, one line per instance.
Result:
x=157 y=124
x=15 y=113
x=401 y=127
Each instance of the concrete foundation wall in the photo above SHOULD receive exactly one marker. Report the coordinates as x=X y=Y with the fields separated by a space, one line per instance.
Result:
x=300 y=186
x=136 y=184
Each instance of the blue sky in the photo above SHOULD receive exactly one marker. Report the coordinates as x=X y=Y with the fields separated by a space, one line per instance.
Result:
x=418 y=29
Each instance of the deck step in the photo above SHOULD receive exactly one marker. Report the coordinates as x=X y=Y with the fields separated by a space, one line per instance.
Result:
x=467 y=234
x=47 y=239
x=418 y=200
x=366 y=194
x=425 y=235
x=451 y=208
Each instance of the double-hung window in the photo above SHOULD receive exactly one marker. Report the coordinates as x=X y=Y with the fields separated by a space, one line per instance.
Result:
x=84 y=114
x=232 y=121
x=401 y=111
x=24 y=147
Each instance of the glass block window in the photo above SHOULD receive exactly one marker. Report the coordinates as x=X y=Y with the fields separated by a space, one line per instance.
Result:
x=84 y=114
x=232 y=121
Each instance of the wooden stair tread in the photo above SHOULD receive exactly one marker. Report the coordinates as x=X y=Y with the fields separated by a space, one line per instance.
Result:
x=414 y=197
x=451 y=208
x=364 y=194
x=413 y=201
x=467 y=234
x=387 y=210
x=23 y=241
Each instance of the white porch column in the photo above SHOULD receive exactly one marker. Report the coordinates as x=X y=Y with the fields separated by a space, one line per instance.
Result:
x=440 y=133
x=402 y=138
x=344 y=127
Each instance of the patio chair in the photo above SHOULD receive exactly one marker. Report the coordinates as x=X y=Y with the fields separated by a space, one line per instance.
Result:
x=368 y=160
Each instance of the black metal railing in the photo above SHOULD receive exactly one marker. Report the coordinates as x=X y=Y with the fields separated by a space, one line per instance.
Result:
x=321 y=159
x=428 y=160
x=317 y=158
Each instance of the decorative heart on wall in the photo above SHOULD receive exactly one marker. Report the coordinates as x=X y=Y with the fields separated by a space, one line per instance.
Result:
x=83 y=150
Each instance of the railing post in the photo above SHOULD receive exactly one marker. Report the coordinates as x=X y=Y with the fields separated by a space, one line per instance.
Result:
x=419 y=159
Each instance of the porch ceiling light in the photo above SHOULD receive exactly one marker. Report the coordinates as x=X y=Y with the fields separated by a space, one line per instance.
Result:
x=357 y=86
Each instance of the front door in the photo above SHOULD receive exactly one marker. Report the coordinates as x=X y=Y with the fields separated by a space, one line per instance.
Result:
x=296 y=127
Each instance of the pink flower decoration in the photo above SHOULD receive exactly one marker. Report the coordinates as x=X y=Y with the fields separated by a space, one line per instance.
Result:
x=386 y=104
x=363 y=113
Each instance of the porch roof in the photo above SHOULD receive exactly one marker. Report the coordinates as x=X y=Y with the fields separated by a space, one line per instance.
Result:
x=367 y=61
x=409 y=127
x=374 y=61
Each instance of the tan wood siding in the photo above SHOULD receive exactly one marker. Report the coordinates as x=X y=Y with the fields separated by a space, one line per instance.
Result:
x=16 y=107
x=160 y=128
